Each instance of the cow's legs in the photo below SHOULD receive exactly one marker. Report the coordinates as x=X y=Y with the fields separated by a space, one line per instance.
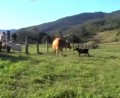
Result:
x=57 y=52
x=88 y=54
x=60 y=52
x=19 y=53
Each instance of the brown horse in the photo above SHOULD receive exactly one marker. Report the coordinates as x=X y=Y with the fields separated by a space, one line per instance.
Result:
x=58 y=45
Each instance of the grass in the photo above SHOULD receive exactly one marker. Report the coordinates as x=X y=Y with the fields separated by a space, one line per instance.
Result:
x=48 y=76
x=108 y=36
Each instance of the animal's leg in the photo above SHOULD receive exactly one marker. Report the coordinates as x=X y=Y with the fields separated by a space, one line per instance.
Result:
x=79 y=54
x=61 y=52
x=19 y=53
x=88 y=54
x=14 y=51
x=57 y=52
x=65 y=49
x=54 y=51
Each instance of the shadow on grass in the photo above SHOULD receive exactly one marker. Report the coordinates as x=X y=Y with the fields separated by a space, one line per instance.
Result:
x=13 y=57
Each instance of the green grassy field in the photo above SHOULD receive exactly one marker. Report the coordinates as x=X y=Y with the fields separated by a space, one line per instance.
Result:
x=48 y=76
x=108 y=36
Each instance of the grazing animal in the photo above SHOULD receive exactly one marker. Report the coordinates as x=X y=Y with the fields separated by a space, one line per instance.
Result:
x=14 y=46
x=82 y=51
x=58 y=45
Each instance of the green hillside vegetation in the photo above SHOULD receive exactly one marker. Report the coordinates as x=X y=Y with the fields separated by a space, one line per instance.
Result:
x=48 y=76
x=108 y=36
x=84 y=26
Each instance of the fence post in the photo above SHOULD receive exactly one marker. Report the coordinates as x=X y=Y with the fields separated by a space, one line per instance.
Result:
x=82 y=45
x=8 y=39
x=47 y=46
x=26 y=45
x=0 y=46
x=72 y=45
x=38 y=47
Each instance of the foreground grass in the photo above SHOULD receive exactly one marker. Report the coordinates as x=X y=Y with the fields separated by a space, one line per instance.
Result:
x=47 y=76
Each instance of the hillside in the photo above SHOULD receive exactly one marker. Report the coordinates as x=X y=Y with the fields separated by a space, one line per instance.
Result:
x=67 y=22
x=83 y=25
x=108 y=36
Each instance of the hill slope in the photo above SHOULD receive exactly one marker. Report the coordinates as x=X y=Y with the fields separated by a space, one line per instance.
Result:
x=67 y=22
x=83 y=25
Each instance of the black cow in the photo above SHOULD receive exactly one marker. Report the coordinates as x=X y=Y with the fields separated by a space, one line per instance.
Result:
x=82 y=51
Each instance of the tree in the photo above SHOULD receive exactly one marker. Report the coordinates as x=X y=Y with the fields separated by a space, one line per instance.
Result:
x=41 y=35
x=14 y=36
x=74 y=39
x=46 y=38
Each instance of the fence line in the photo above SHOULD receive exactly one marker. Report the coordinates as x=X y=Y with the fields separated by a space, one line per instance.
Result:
x=84 y=46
